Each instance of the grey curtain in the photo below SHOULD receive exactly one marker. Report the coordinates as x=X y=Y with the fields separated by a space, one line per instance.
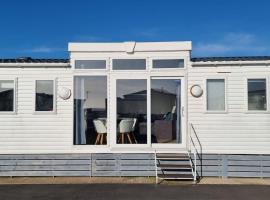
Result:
x=80 y=121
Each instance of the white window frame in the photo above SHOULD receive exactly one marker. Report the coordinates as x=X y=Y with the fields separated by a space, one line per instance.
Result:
x=92 y=146
x=111 y=110
x=167 y=58
x=148 y=145
x=73 y=61
x=225 y=95
x=183 y=114
x=246 y=95
x=54 y=96
x=113 y=128
x=15 y=82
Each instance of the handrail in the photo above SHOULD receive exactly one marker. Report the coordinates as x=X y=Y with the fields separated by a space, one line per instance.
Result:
x=193 y=149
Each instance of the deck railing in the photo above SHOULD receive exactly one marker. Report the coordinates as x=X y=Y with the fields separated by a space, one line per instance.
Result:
x=195 y=148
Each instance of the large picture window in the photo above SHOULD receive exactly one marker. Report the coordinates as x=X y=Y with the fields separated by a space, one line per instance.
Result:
x=44 y=95
x=90 y=110
x=257 y=94
x=7 y=91
x=215 y=89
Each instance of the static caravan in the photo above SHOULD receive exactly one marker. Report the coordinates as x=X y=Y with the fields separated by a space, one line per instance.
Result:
x=135 y=109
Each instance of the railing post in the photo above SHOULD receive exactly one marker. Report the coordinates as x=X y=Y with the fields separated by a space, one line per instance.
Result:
x=189 y=138
x=195 y=167
x=156 y=166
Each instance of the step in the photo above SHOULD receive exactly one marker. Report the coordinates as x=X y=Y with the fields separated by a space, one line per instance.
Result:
x=172 y=157
x=176 y=176
x=174 y=166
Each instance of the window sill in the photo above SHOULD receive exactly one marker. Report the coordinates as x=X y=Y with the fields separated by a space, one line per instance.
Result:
x=257 y=112
x=8 y=112
x=44 y=113
x=216 y=112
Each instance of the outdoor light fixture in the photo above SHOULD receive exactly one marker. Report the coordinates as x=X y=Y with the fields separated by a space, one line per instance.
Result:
x=64 y=93
x=196 y=91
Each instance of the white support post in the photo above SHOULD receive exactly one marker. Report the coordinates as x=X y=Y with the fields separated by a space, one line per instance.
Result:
x=189 y=134
x=156 y=166
x=195 y=167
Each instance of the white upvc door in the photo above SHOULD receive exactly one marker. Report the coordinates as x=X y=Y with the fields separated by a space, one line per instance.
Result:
x=123 y=86
x=130 y=97
x=179 y=123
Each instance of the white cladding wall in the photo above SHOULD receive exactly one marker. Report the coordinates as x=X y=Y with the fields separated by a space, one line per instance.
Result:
x=29 y=132
x=235 y=131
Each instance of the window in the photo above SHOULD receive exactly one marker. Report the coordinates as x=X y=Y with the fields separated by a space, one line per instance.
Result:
x=7 y=93
x=90 y=64
x=215 y=94
x=90 y=110
x=129 y=64
x=44 y=95
x=257 y=94
x=168 y=63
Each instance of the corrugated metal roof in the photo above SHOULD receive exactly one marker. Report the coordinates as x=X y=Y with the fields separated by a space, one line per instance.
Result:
x=32 y=60
x=242 y=58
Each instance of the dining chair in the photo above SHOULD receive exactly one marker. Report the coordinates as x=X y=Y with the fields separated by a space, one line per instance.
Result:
x=101 y=131
x=125 y=129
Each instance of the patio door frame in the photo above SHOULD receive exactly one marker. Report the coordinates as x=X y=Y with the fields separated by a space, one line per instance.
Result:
x=182 y=113
x=113 y=112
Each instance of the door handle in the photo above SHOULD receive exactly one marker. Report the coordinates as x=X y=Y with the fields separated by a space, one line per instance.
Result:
x=182 y=110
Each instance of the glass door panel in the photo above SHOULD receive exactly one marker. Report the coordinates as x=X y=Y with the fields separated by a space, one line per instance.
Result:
x=165 y=111
x=131 y=111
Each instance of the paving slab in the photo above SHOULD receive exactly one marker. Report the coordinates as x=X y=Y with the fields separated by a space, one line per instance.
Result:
x=129 y=180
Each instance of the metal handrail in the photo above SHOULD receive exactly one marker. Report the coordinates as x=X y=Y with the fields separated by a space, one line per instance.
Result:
x=196 y=153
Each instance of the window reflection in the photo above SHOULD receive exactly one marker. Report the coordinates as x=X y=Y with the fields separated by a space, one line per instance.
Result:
x=171 y=63
x=90 y=64
x=129 y=64
x=165 y=115
x=215 y=94
x=44 y=95
x=90 y=110
x=131 y=111
x=6 y=95
x=257 y=94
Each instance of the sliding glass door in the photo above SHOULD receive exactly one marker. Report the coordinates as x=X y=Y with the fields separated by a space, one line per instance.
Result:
x=165 y=110
x=147 y=111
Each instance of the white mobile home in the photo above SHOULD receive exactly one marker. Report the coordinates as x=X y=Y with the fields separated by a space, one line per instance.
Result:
x=135 y=109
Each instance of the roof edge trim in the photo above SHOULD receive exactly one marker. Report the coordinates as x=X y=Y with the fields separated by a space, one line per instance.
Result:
x=139 y=47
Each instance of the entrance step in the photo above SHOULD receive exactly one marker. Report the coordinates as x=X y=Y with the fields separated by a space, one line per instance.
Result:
x=174 y=166
x=176 y=176
x=173 y=156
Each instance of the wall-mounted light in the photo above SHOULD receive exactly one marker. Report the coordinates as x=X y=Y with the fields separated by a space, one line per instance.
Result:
x=196 y=91
x=64 y=93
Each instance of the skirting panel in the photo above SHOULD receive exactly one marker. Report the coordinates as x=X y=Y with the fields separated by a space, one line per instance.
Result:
x=127 y=165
